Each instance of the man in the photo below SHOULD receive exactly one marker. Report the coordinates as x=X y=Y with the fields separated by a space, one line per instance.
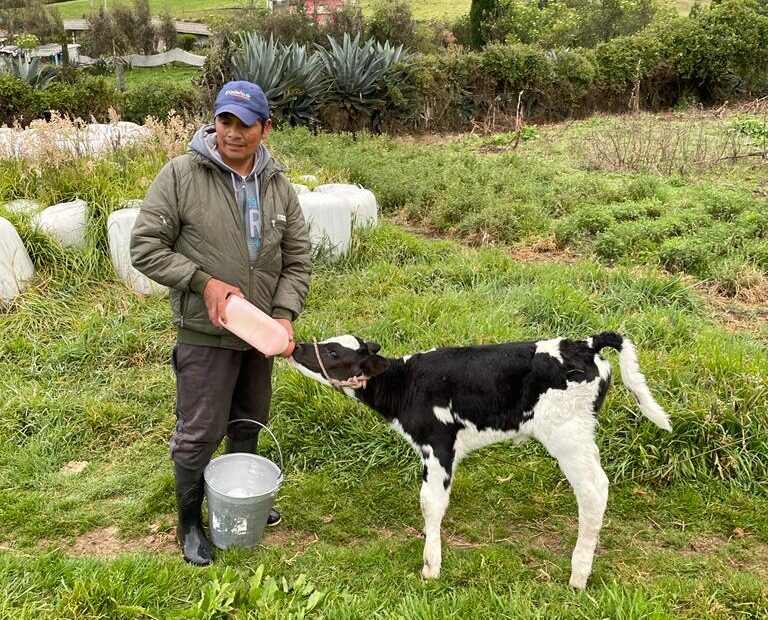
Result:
x=221 y=220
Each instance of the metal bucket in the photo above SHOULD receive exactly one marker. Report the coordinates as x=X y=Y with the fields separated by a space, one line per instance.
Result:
x=241 y=490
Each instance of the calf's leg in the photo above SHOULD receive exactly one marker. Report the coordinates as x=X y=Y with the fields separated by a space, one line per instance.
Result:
x=435 y=494
x=579 y=458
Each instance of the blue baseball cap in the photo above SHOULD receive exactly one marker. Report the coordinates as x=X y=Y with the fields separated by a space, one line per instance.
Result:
x=245 y=100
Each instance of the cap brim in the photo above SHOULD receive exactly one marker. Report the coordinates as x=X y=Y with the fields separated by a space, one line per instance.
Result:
x=245 y=115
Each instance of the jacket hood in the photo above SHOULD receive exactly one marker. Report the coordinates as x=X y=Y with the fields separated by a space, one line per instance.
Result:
x=204 y=144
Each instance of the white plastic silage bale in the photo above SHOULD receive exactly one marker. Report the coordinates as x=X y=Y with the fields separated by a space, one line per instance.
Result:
x=131 y=203
x=22 y=205
x=363 y=202
x=299 y=188
x=16 y=267
x=119 y=227
x=329 y=217
x=65 y=222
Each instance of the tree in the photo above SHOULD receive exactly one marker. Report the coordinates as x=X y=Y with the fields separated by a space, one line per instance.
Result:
x=347 y=19
x=33 y=17
x=480 y=12
x=102 y=34
x=145 y=35
x=167 y=31
x=392 y=21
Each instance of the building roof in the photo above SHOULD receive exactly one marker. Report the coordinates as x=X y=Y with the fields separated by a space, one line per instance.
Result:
x=181 y=27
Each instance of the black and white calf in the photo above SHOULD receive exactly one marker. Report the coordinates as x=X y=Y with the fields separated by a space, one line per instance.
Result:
x=448 y=402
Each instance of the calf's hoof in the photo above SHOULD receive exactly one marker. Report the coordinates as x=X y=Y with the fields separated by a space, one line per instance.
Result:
x=429 y=572
x=578 y=581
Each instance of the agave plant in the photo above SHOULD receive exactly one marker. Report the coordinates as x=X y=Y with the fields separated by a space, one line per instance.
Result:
x=360 y=74
x=30 y=71
x=294 y=83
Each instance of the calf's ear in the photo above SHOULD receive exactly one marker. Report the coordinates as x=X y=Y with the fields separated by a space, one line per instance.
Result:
x=373 y=347
x=375 y=365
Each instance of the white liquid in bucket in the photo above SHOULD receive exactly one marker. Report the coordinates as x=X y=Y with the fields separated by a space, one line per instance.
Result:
x=238 y=492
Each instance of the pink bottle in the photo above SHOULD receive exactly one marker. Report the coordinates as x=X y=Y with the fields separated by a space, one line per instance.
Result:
x=259 y=330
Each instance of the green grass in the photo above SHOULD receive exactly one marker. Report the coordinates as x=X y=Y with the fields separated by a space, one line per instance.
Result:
x=85 y=376
x=563 y=186
x=194 y=10
x=198 y=10
x=179 y=75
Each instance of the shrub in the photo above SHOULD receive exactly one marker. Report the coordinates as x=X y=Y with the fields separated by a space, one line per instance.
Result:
x=625 y=61
x=498 y=222
x=723 y=51
x=19 y=101
x=756 y=251
x=755 y=128
x=288 y=27
x=734 y=275
x=88 y=97
x=392 y=20
x=572 y=77
x=481 y=12
x=585 y=222
x=187 y=42
x=724 y=207
x=157 y=98
x=516 y=68
x=344 y=19
x=628 y=239
x=687 y=254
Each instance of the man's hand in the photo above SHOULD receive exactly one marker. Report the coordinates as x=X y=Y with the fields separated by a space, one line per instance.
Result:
x=215 y=297
x=291 y=344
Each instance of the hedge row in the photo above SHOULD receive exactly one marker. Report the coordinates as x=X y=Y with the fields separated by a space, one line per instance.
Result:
x=717 y=54
x=93 y=96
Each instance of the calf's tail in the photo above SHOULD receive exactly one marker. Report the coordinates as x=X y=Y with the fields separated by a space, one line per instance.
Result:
x=632 y=377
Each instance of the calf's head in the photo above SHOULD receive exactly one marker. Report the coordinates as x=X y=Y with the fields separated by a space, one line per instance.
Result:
x=343 y=361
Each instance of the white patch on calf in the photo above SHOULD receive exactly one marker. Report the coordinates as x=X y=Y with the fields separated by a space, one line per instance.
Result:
x=308 y=373
x=470 y=438
x=401 y=431
x=550 y=347
x=603 y=367
x=349 y=342
x=444 y=414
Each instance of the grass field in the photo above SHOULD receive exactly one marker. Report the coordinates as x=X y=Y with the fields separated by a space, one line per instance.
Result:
x=177 y=74
x=86 y=492
x=197 y=10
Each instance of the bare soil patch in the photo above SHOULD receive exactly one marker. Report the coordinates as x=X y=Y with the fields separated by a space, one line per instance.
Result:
x=73 y=468
x=107 y=543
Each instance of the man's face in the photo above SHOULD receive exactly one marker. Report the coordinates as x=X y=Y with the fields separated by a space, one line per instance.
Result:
x=238 y=143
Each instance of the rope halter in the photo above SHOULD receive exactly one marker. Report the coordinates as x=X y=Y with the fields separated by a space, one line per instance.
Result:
x=356 y=383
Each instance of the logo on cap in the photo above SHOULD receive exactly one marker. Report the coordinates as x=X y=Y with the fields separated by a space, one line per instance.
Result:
x=238 y=93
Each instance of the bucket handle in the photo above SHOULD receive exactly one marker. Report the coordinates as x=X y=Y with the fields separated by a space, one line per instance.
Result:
x=277 y=443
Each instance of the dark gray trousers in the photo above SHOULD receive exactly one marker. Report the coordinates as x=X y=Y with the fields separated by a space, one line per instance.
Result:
x=213 y=387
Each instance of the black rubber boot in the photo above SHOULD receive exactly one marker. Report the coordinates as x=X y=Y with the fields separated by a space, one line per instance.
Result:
x=189 y=496
x=242 y=445
x=273 y=518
